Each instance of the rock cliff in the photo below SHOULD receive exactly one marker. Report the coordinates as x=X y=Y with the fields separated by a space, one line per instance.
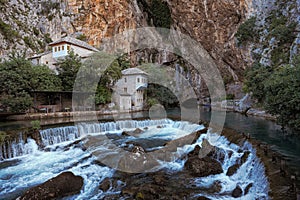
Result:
x=31 y=24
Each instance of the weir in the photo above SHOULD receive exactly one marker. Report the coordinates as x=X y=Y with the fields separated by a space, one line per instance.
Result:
x=82 y=158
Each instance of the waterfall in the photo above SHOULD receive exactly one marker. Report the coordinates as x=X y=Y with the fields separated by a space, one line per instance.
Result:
x=17 y=147
x=58 y=135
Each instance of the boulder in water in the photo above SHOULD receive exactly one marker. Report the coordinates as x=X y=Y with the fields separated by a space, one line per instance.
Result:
x=132 y=133
x=105 y=184
x=201 y=167
x=203 y=198
x=237 y=192
x=245 y=157
x=232 y=169
x=64 y=184
x=248 y=187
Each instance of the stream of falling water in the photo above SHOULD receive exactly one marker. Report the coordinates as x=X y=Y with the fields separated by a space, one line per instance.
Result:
x=65 y=149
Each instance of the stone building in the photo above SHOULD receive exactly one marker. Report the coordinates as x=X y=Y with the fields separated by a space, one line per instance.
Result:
x=129 y=91
x=60 y=49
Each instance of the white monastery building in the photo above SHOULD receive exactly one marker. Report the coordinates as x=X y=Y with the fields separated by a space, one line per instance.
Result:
x=129 y=91
x=60 y=49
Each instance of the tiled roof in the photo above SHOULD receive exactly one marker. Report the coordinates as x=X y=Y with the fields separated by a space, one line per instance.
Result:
x=40 y=55
x=132 y=71
x=75 y=42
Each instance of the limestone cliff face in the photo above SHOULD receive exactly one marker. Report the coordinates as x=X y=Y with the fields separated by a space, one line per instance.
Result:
x=213 y=23
x=31 y=24
x=101 y=18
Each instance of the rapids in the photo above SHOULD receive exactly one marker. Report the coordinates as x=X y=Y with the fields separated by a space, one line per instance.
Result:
x=81 y=148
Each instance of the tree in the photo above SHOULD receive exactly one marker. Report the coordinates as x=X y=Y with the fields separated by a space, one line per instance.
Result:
x=254 y=80
x=247 y=31
x=67 y=69
x=18 y=77
x=99 y=73
x=283 y=96
x=278 y=90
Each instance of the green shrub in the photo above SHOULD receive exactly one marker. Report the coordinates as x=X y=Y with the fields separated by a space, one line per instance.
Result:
x=247 y=32
x=7 y=31
x=35 y=125
x=82 y=37
x=3 y=136
x=28 y=41
x=36 y=31
x=230 y=96
x=47 y=38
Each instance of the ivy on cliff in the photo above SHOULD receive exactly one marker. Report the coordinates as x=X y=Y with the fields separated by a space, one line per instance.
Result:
x=158 y=12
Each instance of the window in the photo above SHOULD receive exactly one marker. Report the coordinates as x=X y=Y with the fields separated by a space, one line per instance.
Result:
x=68 y=48
x=55 y=49
x=62 y=48
x=125 y=89
x=138 y=80
x=58 y=48
x=47 y=62
x=125 y=79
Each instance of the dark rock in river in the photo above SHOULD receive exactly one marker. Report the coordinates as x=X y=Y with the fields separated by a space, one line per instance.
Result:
x=62 y=185
x=105 y=184
x=201 y=167
x=232 y=170
x=132 y=133
x=203 y=198
x=195 y=152
x=237 y=192
x=248 y=187
x=245 y=157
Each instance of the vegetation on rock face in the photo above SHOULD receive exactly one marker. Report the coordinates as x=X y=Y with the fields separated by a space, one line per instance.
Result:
x=247 y=31
x=273 y=79
x=7 y=31
x=277 y=89
x=158 y=12
x=18 y=77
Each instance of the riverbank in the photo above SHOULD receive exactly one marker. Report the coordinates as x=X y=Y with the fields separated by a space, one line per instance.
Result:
x=283 y=183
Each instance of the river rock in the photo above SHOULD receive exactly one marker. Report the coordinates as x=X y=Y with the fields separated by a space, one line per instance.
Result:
x=105 y=184
x=237 y=192
x=232 y=169
x=64 y=184
x=245 y=157
x=248 y=187
x=195 y=152
x=201 y=167
x=132 y=133
x=203 y=198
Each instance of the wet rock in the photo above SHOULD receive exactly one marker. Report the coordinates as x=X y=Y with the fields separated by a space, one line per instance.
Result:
x=198 y=133
x=248 y=187
x=203 y=198
x=105 y=184
x=216 y=187
x=64 y=184
x=138 y=149
x=202 y=167
x=108 y=183
x=195 y=152
x=245 y=157
x=237 y=192
x=132 y=133
x=232 y=170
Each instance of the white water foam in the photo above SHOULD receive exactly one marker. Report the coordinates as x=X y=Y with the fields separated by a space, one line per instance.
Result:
x=38 y=166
